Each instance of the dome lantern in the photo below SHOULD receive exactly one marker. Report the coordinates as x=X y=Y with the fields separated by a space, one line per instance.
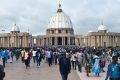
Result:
x=15 y=28
x=102 y=28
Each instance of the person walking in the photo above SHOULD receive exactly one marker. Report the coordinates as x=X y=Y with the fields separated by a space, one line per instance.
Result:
x=38 y=57
x=103 y=59
x=79 y=60
x=49 y=57
x=26 y=58
x=56 y=57
x=22 y=55
x=2 y=73
x=34 y=55
x=74 y=60
x=64 y=66
x=113 y=70
x=96 y=67
x=10 y=54
x=4 y=56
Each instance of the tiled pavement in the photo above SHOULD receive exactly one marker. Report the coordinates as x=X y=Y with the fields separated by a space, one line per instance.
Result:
x=17 y=71
x=83 y=76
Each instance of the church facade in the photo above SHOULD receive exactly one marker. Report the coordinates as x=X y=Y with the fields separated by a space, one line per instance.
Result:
x=60 y=32
x=102 y=38
x=15 y=38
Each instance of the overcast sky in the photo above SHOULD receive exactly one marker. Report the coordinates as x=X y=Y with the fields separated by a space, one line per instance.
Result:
x=35 y=14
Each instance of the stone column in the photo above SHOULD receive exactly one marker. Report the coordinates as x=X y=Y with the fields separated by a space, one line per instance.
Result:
x=51 y=40
x=56 y=41
x=0 y=41
x=64 y=40
x=47 y=41
x=94 y=41
x=69 y=40
x=90 y=41
x=3 y=42
x=16 y=41
x=24 y=41
x=8 y=45
x=113 y=41
x=74 y=40
x=21 y=45
x=98 y=40
x=101 y=41
x=109 y=40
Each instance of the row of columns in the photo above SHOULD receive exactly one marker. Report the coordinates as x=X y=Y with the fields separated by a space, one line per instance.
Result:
x=103 y=41
x=54 y=41
x=15 y=41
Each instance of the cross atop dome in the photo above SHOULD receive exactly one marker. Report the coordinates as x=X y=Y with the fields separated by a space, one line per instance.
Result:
x=59 y=10
x=59 y=3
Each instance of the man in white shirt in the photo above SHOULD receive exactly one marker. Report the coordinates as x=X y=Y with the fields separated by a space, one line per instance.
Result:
x=34 y=55
x=80 y=60
x=49 y=56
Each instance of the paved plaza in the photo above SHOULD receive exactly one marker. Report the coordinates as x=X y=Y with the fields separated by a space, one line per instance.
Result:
x=83 y=76
x=17 y=71
x=102 y=76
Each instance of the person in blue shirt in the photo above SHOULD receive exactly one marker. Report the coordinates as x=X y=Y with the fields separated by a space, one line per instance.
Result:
x=113 y=72
x=4 y=56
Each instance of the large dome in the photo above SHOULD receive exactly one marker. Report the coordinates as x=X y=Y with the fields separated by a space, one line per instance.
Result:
x=15 y=28
x=102 y=28
x=60 y=20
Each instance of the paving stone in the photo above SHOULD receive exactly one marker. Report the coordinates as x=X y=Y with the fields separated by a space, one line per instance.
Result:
x=17 y=71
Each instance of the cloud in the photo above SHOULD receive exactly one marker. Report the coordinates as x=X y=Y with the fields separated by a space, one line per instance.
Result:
x=35 y=14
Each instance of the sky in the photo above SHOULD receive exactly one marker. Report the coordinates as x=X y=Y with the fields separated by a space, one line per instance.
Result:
x=34 y=15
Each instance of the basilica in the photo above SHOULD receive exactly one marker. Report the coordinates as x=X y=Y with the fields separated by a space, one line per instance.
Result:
x=60 y=32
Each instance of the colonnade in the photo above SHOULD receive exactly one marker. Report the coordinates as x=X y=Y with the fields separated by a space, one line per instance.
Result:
x=55 y=41
x=103 y=40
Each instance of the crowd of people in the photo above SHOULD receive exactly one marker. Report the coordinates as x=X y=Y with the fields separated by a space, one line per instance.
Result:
x=92 y=59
